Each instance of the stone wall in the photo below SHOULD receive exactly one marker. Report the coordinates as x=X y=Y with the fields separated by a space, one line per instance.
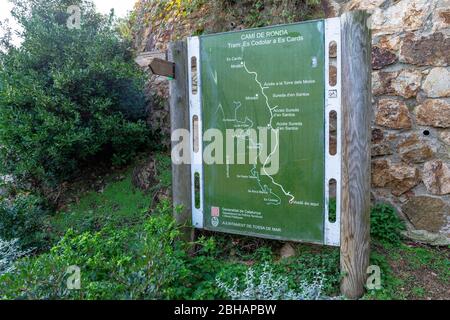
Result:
x=411 y=100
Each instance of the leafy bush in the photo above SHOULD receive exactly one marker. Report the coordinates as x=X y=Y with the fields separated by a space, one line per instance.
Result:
x=24 y=218
x=112 y=265
x=136 y=262
x=67 y=96
x=385 y=225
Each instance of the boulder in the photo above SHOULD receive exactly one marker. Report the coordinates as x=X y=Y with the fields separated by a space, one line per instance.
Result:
x=144 y=175
x=287 y=250
x=427 y=213
x=362 y=5
x=423 y=236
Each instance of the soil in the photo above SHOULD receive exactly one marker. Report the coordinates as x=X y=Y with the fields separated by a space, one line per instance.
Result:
x=424 y=277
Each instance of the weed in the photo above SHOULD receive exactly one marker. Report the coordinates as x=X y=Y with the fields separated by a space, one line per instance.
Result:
x=385 y=225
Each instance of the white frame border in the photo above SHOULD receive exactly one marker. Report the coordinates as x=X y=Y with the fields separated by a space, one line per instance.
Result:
x=195 y=101
x=332 y=230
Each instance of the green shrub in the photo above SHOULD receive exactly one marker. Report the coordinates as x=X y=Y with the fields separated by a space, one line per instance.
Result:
x=24 y=218
x=67 y=96
x=105 y=260
x=141 y=262
x=385 y=225
x=40 y=277
x=144 y=259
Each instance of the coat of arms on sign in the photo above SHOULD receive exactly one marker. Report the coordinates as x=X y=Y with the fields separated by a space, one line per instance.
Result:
x=215 y=211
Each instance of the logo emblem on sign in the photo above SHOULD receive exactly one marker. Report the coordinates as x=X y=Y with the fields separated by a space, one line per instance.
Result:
x=215 y=211
x=214 y=221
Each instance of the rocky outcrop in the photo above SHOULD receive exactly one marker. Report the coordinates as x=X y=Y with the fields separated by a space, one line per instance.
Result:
x=427 y=213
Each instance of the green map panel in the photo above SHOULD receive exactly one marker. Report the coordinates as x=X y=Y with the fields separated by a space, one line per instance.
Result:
x=266 y=84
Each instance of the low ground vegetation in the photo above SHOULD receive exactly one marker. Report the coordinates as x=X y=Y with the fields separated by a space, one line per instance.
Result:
x=128 y=248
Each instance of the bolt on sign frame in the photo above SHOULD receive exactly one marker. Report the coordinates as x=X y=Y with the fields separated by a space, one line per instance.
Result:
x=264 y=97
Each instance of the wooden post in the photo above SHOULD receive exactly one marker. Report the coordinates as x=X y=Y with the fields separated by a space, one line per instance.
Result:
x=356 y=117
x=179 y=119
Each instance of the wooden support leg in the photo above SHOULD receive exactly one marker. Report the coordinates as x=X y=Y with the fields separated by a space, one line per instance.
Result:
x=179 y=119
x=356 y=117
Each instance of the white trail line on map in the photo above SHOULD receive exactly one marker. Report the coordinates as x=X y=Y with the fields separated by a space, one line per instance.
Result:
x=287 y=193
x=237 y=105
x=254 y=172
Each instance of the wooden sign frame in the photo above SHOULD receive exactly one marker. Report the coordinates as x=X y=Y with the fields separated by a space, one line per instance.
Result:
x=354 y=146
